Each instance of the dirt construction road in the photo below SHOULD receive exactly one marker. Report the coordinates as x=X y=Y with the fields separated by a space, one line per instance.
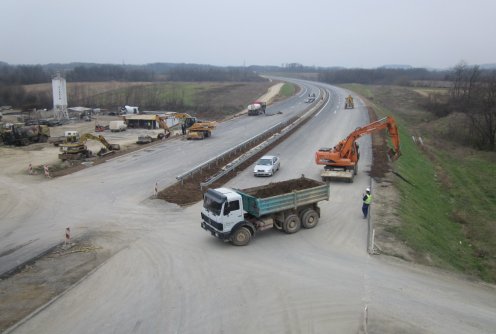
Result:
x=173 y=277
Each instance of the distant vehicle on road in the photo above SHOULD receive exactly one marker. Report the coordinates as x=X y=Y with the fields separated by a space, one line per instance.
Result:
x=310 y=98
x=257 y=108
x=267 y=165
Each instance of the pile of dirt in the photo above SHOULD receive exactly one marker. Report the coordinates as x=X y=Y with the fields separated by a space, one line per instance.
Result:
x=380 y=161
x=188 y=191
x=283 y=187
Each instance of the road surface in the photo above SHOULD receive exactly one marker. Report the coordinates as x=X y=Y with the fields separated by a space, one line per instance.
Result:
x=173 y=277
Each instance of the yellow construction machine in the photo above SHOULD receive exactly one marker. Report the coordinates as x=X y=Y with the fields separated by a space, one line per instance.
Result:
x=163 y=125
x=74 y=146
x=348 y=102
x=200 y=130
x=194 y=128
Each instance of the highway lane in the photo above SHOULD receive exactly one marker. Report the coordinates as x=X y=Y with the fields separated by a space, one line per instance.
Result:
x=176 y=278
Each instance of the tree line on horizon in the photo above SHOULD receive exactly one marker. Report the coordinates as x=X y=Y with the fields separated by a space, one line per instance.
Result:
x=80 y=72
x=14 y=77
x=472 y=90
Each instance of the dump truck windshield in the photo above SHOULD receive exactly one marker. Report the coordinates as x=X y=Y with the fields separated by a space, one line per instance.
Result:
x=212 y=205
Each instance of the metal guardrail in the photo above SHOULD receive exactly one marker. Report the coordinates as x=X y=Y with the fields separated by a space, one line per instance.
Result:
x=265 y=138
x=229 y=152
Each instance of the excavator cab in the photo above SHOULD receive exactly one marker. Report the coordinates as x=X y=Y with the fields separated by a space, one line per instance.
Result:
x=189 y=121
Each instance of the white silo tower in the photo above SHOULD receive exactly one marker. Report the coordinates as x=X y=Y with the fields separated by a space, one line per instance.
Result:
x=59 y=97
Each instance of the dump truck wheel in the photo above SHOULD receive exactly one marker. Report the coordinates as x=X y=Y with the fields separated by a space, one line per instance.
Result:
x=310 y=219
x=302 y=213
x=292 y=224
x=241 y=237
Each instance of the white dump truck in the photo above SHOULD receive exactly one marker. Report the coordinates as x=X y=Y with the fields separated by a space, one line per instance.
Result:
x=257 y=108
x=236 y=215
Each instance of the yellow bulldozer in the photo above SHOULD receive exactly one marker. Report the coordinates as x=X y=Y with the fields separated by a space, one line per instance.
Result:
x=74 y=146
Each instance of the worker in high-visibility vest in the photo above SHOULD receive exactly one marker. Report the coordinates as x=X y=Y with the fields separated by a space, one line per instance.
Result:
x=367 y=199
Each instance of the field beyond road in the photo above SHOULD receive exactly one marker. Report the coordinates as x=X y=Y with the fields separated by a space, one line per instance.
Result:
x=445 y=214
x=212 y=100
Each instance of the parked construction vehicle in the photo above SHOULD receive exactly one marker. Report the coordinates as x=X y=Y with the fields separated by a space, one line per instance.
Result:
x=257 y=108
x=236 y=215
x=348 y=102
x=21 y=135
x=196 y=129
x=200 y=129
x=74 y=146
x=341 y=161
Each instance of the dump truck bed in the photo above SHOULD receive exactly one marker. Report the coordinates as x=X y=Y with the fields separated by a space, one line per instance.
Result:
x=285 y=195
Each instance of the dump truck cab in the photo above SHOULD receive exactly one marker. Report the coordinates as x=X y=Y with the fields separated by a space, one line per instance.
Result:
x=222 y=209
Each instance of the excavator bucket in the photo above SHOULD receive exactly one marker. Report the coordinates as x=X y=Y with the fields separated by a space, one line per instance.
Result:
x=393 y=155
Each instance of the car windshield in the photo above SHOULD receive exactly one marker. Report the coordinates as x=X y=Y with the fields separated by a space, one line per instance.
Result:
x=264 y=162
x=211 y=205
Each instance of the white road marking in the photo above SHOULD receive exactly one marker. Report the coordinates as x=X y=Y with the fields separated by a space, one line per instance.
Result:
x=325 y=105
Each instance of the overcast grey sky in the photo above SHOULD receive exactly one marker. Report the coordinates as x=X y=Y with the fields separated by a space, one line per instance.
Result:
x=350 y=33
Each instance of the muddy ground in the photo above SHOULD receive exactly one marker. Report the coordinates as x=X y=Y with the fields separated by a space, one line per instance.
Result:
x=386 y=197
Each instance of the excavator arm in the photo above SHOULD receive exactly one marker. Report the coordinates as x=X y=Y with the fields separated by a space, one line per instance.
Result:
x=163 y=125
x=101 y=139
x=345 y=146
x=344 y=156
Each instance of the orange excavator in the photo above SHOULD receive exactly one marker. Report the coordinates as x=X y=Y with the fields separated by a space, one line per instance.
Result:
x=341 y=161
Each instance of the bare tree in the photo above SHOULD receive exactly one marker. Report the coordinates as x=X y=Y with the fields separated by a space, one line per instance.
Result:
x=474 y=94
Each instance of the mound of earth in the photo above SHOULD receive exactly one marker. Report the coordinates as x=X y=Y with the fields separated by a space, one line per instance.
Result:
x=283 y=187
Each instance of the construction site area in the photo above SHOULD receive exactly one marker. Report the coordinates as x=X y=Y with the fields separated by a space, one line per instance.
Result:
x=143 y=208
x=36 y=153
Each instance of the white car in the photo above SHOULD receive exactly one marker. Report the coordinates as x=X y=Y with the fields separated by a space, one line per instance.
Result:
x=267 y=165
